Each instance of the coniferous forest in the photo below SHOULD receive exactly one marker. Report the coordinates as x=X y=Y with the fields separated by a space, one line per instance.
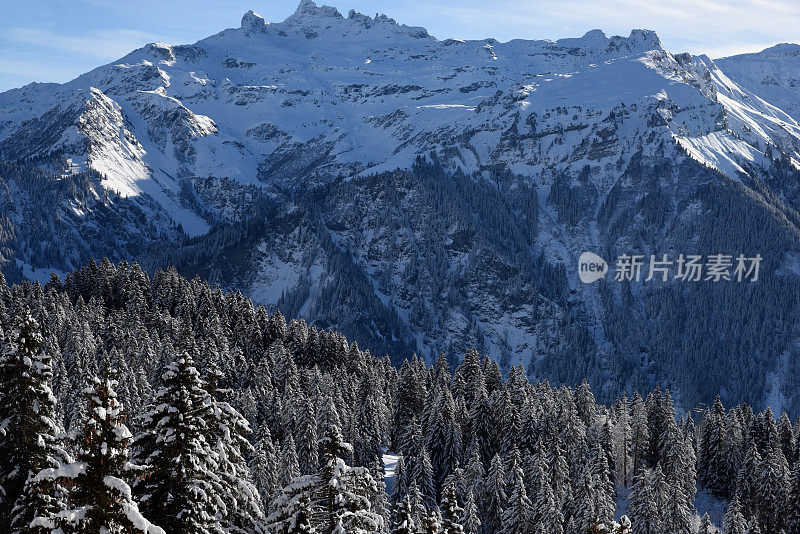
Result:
x=139 y=403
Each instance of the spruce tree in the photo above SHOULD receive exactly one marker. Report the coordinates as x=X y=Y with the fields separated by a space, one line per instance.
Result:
x=773 y=490
x=400 y=483
x=227 y=433
x=443 y=436
x=306 y=436
x=494 y=498
x=622 y=432
x=715 y=451
x=734 y=522
x=456 y=479
x=753 y=526
x=518 y=515
x=100 y=496
x=640 y=435
x=346 y=492
x=379 y=499
x=182 y=491
x=546 y=512
x=471 y=519
x=417 y=503
x=340 y=496
x=289 y=468
x=557 y=472
x=583 y=508
x=423 y=476
x=787 y=439
x=301 y=522
x=645 y=503
x=793 y=507
x=295 y=505
x=411 y=393
x=747 y=485
x=264 y=465
x=603 y=486
x=431 y=522
x=679 y=465
x=678 y=513
x=30 y=432
x=451 y=512
x=481 y=424
x=705 y=526
x=403 y=520
x=474 y=474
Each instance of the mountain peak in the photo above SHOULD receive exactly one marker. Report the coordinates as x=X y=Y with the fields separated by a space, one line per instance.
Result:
x=781 y=49
x=648 y=37
x=310 y=9
x=638 y=40
x=595 y=34
x=252 y=22
x=775 y=51
x=313 y=20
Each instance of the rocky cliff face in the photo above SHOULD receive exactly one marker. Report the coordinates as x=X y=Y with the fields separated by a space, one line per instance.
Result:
x=426 y=195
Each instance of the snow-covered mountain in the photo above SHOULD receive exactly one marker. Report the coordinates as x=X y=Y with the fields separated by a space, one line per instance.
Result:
x=773 y=74
x=426 y=195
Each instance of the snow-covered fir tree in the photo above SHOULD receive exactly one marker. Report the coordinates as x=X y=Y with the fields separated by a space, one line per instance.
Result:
x=734 y=522
x=451 y=512
x=403 y=519
x=301 y=521
x=264 y=465
x=183 y=489
x=424 y=477
x=339 y=495
x=289 y=468
x=473 y=428
x=494 y=498
x=30 y=433
x=431 y=522
x=228 y=433
x=100 y=497
x=793 y=506
x=518 y=515
x=646 y=504
x=470 y=519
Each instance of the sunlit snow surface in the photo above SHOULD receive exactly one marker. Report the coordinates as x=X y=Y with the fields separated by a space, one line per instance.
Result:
x=389 y=466
x=774 y=74
x=325 y=94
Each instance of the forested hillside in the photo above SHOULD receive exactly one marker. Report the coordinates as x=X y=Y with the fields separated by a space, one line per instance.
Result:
x=426 y=259
x=131 y=401
x=424 y=195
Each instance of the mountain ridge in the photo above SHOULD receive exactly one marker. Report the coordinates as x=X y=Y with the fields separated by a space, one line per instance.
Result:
x=773 y=73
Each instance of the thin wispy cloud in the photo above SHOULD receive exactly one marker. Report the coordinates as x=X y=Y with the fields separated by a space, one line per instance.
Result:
x=46 y=55
x=22 y=67
x=103 y=44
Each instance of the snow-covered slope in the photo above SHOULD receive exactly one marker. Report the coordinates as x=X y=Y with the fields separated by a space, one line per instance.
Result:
x=321 y=93
x=420 y=194
x=773 y=74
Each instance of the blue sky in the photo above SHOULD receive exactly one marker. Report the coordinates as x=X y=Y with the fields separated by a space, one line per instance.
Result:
x=58 y=39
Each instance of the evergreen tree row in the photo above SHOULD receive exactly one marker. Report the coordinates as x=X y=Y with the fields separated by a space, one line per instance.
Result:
x=139 y=404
